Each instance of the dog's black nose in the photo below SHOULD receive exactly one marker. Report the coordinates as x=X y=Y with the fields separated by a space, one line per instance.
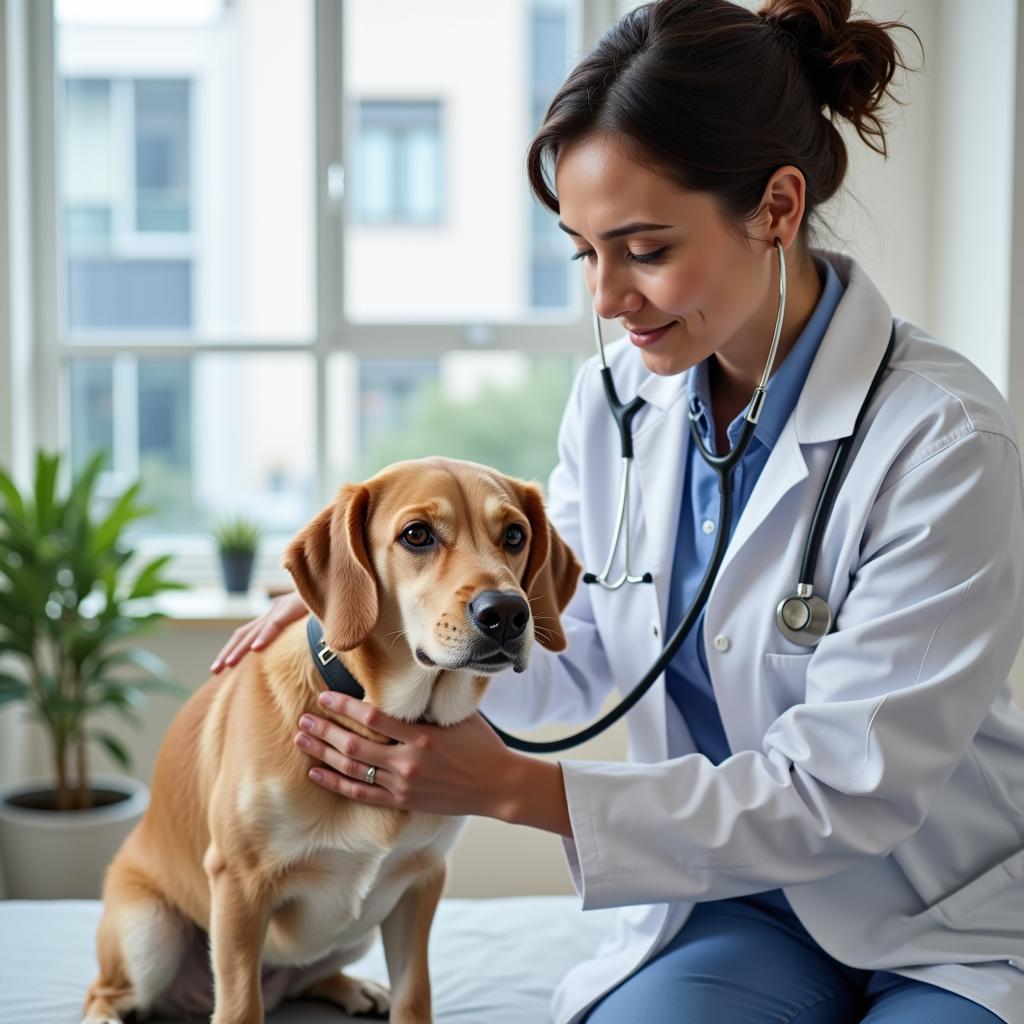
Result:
x=499 y=615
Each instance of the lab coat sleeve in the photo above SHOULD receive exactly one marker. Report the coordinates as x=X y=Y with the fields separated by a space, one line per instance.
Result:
x=924 y=641
x=570 y=686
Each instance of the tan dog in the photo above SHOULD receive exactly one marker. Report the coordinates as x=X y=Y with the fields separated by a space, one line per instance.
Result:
x=422 y=575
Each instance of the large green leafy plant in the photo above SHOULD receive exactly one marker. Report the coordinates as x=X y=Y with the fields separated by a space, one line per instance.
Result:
x=70 y=608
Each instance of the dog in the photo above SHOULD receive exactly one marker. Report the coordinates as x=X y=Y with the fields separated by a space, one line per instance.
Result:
x=244 y=883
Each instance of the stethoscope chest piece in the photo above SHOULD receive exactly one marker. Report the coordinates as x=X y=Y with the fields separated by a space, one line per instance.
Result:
x=804 y=618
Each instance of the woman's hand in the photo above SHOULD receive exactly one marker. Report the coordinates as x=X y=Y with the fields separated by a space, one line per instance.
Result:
x=256 y=634
x=460 y=769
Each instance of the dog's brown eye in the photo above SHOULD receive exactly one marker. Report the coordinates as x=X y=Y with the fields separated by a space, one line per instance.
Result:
x=515 y=537
x=417 y=536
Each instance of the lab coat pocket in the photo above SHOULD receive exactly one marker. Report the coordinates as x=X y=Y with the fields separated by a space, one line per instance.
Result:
x=994 y=899
x=785 y=680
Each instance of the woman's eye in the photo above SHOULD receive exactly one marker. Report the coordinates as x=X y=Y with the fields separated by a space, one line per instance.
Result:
x=647 y=257
x=515 y=537
x=417 y=536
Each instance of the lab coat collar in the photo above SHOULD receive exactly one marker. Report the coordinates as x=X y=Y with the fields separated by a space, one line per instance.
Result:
x=847 y=359
x=842 y=370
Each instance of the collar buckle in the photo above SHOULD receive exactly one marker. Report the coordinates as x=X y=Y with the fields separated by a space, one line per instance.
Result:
x=325 y=654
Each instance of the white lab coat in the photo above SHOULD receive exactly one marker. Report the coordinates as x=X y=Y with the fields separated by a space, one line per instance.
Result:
x=879 y=779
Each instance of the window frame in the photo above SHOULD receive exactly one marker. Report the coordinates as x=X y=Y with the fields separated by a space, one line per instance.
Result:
x=52 y=348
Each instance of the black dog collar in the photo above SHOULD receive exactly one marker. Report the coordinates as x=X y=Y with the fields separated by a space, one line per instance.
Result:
x=328 y=664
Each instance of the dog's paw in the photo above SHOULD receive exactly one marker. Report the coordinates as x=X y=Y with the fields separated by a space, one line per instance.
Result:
x=353 y=995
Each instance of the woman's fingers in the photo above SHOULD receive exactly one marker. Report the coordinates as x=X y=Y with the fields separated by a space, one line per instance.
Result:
x=342 y=743
x=349 y=777
x=240 y=642
x=370 y=716
x=228 y=649
x=330 y=755
x=344 y=786
x=256 y=634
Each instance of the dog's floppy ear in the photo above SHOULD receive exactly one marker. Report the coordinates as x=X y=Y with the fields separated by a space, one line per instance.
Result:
x=332 y=571
x=552 y=571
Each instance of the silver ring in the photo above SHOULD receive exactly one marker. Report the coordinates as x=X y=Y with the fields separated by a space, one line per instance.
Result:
x=371 y=773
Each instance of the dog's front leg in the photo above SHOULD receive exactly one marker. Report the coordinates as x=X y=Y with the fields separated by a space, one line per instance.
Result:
x=238 y=926
x=405 y=932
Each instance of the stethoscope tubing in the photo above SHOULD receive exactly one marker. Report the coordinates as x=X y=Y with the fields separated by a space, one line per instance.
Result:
x=724 y=471
x=823 y=510
x=723 y=467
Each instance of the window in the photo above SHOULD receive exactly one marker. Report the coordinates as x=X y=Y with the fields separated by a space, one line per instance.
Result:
x=499 y=408
x=474 y=81
x=266 y=284
x=201 y=434
x=549 y=279
x=126 y=175
x=399 y=151
x=162 y=156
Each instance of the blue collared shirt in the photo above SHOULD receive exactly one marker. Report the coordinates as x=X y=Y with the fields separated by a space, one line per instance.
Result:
x=687 y=678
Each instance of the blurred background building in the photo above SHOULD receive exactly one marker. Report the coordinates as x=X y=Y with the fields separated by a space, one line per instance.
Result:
x=186 y=154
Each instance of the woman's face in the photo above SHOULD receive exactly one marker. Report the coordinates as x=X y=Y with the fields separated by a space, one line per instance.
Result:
x=718 y=292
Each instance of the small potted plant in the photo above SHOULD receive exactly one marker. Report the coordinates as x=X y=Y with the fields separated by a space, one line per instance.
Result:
x=237 y=539
x=70 y=609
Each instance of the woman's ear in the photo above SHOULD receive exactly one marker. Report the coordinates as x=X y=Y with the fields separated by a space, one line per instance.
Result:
x=552 y=571
x=332 y=571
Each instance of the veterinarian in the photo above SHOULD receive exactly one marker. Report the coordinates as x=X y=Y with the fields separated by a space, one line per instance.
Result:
x=823 y=832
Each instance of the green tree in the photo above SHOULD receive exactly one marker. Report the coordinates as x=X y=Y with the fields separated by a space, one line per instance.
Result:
x=514 y=430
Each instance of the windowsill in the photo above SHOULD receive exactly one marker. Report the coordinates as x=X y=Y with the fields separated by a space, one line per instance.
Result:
x=210 y=606
x=196 y=564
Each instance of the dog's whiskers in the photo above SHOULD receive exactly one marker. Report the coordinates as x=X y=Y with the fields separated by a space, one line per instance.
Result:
x=397 y=634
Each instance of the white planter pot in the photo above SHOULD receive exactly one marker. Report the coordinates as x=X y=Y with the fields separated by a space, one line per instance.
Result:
x=64 y=854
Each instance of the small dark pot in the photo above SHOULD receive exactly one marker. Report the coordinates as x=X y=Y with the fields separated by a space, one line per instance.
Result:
x=237 y=571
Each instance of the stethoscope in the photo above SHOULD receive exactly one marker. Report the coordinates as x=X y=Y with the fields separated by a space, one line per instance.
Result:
x=803 y=618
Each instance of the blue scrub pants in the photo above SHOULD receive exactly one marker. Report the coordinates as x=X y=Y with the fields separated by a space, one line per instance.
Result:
x=737 y=961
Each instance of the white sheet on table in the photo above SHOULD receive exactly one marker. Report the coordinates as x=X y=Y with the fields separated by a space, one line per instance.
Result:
x=494 y=961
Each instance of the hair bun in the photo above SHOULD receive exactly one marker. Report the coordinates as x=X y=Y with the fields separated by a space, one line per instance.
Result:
x=849 y=64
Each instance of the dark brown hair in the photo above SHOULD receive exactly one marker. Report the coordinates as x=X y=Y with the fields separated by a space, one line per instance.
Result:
x=716 y=98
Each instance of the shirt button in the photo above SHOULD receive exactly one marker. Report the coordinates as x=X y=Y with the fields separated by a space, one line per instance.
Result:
x=708 y=526
x=721 y=643
x=654 y=629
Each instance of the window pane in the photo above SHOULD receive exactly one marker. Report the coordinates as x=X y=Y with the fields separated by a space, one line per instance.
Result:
x=208 y=436
x=441 y=204
x=89 y=182
x=162 y=121
x=92 y=410
x=375 y=198
x=499 y=408
x=111 y=293
x=423 y=174
x=399 y=155
x=187 y=180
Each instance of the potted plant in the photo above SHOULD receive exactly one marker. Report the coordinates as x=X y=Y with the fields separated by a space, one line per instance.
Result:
x=237 y=539
x=69 y=613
